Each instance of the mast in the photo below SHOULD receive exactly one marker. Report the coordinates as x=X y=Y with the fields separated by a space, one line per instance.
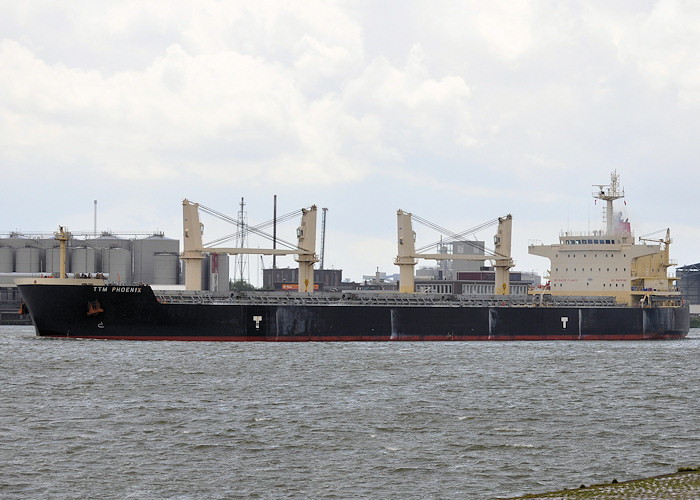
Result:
x=323 y=236
x=274 y=232
x=62 y=236
x=504 y=262
x=192 y=245
x=241 y=259
x=306 y=257
x=407 y=249
x=609 y=194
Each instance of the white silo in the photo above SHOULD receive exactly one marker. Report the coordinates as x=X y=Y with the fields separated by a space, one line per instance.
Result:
x=28 y=260
x=102 y=244
x=7 y=259
x=82 y=260
x=165 y=266
x=117 y=263
x=144 y=252
x=53 y=260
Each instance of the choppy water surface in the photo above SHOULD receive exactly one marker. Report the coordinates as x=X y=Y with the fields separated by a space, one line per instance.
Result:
x=384 y=420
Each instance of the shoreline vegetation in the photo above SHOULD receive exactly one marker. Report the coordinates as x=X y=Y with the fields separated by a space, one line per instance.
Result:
x=682 y=484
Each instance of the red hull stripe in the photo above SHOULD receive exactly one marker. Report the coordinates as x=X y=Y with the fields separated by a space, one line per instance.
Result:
x=405 y=338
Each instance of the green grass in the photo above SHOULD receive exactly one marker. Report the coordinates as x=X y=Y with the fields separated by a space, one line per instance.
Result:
x=684 y=484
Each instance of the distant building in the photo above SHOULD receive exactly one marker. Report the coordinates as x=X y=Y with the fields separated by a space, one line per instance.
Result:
x=689 y=282
x=9 y=307
x=379 y=277
x=287 y=278
x=447 y=269
x=473 y=283
x=154 y=259
x=215 y=272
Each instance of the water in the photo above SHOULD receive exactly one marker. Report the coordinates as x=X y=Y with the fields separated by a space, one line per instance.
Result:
x=120 y=419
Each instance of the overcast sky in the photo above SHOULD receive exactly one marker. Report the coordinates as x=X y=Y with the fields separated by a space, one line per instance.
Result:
x=458 y=112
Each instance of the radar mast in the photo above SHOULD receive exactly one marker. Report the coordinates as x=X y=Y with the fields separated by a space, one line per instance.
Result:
x=609 y=194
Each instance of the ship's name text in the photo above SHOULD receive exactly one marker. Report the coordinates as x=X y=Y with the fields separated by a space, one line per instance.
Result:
x=117 y=289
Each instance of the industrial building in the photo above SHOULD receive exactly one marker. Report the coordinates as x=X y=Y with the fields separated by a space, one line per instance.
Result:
x=153 y=259
x=689 y=285
x=9 y=306
x=288 y=279
x=481 y=282
x=469 y=277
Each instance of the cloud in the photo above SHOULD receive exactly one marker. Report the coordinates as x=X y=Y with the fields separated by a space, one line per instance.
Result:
x=217 y=113
x=663 y=43
x=454 y=109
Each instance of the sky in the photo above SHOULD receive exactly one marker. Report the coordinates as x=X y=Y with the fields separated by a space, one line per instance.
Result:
x=458 y=112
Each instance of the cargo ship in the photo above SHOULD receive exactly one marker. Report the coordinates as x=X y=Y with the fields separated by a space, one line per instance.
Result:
x=602 y=286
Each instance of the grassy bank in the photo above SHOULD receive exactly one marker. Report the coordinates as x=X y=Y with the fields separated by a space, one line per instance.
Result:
x=684 y=484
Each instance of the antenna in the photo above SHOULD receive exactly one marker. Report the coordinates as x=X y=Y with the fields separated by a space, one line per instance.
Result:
x=95 y=218
x=242 y=259
x=274 y=232
x=323 y=237
x=609 y=194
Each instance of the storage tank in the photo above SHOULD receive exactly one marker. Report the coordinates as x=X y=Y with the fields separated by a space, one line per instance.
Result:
x=144 y=252
x=46 y=243
x=82 y=260
x=53 y=260
x=17 y=240
x=106 y=241
x=28 y=260
x=217 y=272
x=165 y=266
x=7 y=259
x=117 y=262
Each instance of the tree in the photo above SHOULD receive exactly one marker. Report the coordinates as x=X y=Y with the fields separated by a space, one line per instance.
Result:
x=240 y=286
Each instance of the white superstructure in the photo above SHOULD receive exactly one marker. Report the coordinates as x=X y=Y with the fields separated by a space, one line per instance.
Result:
x=609 y=262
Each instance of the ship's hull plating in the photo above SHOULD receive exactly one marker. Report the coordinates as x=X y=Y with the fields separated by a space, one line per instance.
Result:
x=111 y=312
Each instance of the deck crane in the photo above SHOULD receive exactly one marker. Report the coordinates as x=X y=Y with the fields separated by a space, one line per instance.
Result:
x=407 y=254
x=193 y=252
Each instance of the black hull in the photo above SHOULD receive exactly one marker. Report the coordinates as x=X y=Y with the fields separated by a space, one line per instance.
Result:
x=134 y=313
